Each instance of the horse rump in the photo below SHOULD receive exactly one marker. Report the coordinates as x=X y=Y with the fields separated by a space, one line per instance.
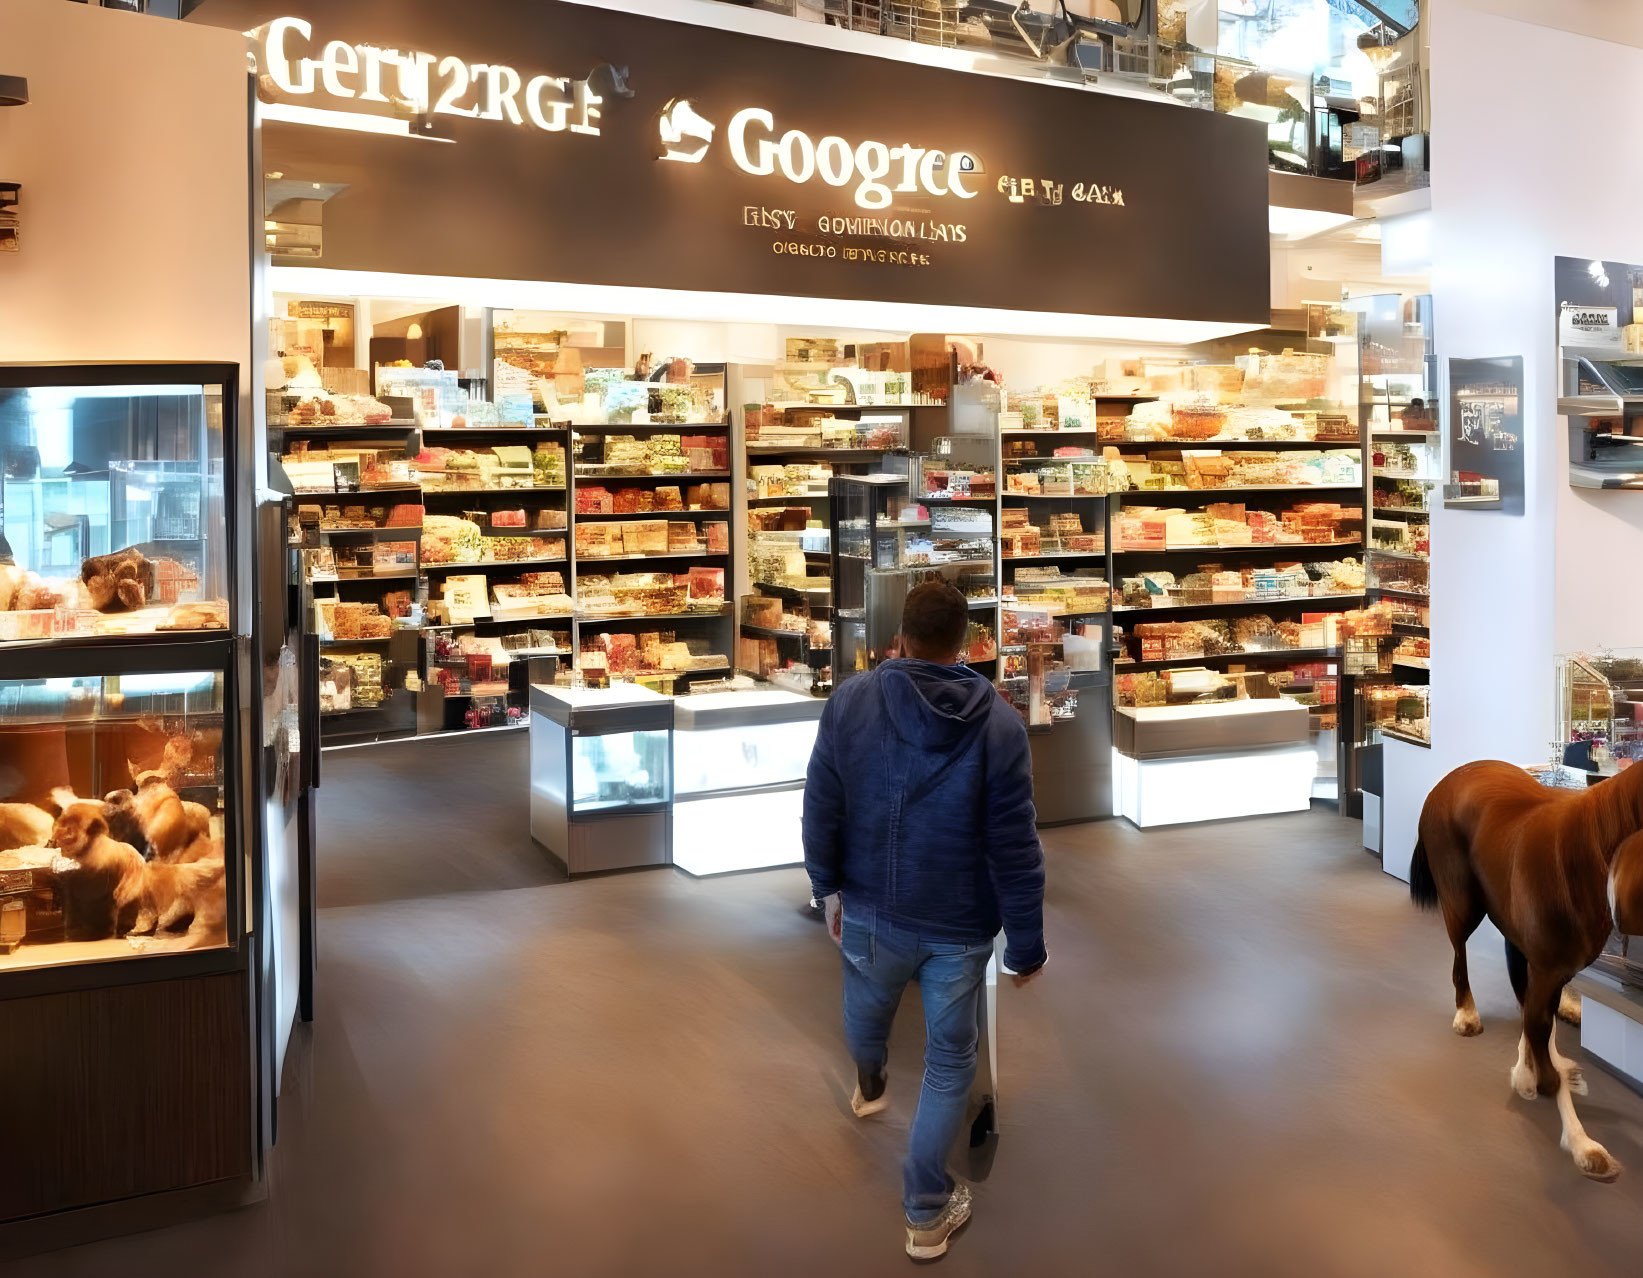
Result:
x=1423 y=888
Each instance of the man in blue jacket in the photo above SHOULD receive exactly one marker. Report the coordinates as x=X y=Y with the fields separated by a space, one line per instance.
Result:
x=920 y=840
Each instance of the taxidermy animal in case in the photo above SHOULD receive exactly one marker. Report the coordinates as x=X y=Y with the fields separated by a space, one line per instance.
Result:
x=1554 y=870
x=22 y=825
x=118 y=582
x=164 y=895
x=109 y=881
x=170 y=828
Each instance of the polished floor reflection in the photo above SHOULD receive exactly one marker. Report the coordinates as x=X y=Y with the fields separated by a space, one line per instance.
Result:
x=1238 y=1062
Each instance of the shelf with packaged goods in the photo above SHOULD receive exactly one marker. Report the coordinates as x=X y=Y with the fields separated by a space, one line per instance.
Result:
x=407 y=531
x=632 y=515
x=349 y=579
x=651 y=428
x=364 y=430
x=1150 y=495
x=789 y=498
x=1409 y=627
x=1423 y=435
x=582 y=560
x=490 y=432
x=1407 y=556
x=813 y=452
x=494 y=565
x=539 y=621
x=1046 y=556
x=468 y=493
x=1399 y=593
x=1260 y=654
x=1404 y=476
x=1216 y=444
x=940 y=500
x=774 y=632
x=350 y=643
x=1026 y=497
x=590 y=481
x=365 y=490
x=1338 y=602
x=595 y=621
x=1298 y=549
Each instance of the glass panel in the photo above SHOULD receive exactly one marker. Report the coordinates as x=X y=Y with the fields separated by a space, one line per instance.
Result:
x=745 y=756
x=111 y=817
x=111 y=511
x=619 y=770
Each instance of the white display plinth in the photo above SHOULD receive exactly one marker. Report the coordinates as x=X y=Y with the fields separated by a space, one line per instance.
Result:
x=739 y=766
x=1611 y=1024
x=1213 y=787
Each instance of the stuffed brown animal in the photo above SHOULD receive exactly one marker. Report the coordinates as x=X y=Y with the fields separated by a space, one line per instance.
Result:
x=118 y=582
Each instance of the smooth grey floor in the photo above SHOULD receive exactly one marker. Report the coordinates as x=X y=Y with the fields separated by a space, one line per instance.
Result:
x=1238 y=1062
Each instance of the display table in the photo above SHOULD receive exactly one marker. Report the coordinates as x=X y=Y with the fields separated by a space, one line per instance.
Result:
x=739 y=760
x=1213 y=762
x=601 y=775
x=1611 y=1022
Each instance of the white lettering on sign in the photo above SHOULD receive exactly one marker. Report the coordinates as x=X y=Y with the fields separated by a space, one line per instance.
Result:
x=424 y=82
x=755 y=149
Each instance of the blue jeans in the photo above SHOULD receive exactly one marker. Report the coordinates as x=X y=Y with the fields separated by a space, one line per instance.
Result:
x=880 y=958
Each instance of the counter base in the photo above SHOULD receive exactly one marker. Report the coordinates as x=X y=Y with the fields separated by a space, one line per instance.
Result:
x=738 y=830
x=1213 y=787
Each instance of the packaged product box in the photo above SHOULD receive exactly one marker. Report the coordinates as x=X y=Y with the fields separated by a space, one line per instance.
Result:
x=718 y=537
x=679 y=536
x=594 y=500
x=652 y=535
x=667 y=497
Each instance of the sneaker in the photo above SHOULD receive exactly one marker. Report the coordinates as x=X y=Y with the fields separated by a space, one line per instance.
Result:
x=871 y=1097
x=926 y=1242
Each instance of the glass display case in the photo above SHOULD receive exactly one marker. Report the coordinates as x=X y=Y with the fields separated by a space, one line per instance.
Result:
x=112 y=809
x=1600 y=709
x=870 y=519
x=112 y=515
x=739 y=766
x=1397 y=711
x=601 y=775
x=118 y=672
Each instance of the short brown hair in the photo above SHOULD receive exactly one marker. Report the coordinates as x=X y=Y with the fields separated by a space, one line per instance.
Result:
x=935 y=618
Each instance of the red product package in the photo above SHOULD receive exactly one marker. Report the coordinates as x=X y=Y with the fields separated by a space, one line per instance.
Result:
x=508 y=519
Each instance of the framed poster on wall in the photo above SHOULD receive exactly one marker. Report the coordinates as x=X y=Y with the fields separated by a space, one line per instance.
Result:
x=1485 y=435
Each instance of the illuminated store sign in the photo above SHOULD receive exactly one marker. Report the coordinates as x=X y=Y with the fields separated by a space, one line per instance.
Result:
x=422 y=83
x=688 y=157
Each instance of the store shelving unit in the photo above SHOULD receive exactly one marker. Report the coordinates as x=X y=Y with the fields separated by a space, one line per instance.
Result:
x=794 y=647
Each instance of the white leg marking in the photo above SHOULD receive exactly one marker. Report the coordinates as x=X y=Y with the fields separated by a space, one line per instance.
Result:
x=1523 y=1073
x=1573 y=1077
x=1592 y=1159
x=1467 y=1022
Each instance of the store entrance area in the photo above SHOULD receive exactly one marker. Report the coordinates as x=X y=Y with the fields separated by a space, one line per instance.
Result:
x=1239 y=1061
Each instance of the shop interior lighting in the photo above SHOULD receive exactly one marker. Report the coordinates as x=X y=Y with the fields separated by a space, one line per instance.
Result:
x=355 y=121
x=14 y=90
x=750 y=308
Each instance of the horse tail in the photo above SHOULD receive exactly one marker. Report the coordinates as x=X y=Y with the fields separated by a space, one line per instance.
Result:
x=1423 y=888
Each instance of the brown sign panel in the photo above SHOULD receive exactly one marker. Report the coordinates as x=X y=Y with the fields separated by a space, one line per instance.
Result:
x=548 y=141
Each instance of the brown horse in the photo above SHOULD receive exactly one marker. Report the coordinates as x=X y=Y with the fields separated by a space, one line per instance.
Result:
x=1548 y=868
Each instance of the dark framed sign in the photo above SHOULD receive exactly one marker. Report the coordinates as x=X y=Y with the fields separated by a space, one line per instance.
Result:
x=1485 y=435
x=539 y=140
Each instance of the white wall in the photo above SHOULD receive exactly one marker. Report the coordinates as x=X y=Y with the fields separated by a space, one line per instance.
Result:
x=1523 y=178
x=132 y=154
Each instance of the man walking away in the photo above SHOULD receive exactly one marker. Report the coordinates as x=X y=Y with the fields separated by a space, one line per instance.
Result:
x=919 y=838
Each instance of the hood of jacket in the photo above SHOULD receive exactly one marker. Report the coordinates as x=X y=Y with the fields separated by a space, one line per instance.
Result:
x=935 y=706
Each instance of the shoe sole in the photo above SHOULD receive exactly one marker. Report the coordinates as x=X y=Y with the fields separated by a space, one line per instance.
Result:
x=937 y=1250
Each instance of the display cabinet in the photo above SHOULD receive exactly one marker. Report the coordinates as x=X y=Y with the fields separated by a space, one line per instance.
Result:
x=133 y=888
x=739 y=770
x=601 y=775
x=1600 y=709
x=870 y=517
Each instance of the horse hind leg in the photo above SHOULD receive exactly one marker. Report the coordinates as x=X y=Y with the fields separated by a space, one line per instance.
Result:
x=1539 y=1027
x=1462 y=919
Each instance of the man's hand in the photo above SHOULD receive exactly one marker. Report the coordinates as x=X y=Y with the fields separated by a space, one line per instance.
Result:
x=1021 y=978
x=833 y=912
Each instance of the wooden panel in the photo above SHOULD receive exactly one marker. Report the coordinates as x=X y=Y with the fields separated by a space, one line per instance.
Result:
x=116 y=1092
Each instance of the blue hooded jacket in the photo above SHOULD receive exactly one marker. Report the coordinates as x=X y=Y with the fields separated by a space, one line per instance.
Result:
x=919 y=803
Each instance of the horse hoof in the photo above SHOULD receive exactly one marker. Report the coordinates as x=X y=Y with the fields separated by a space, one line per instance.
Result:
x=1596 y=1162
x=1524 y=1082
x=1568 y=1008
x=1467 y=1022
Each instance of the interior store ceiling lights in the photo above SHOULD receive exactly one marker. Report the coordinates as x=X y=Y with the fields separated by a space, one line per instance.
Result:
x=749 y=308
x=1300 y=224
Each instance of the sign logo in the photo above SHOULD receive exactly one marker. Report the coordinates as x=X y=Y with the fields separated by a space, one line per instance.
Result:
x=685 y=134
x=411 y=82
